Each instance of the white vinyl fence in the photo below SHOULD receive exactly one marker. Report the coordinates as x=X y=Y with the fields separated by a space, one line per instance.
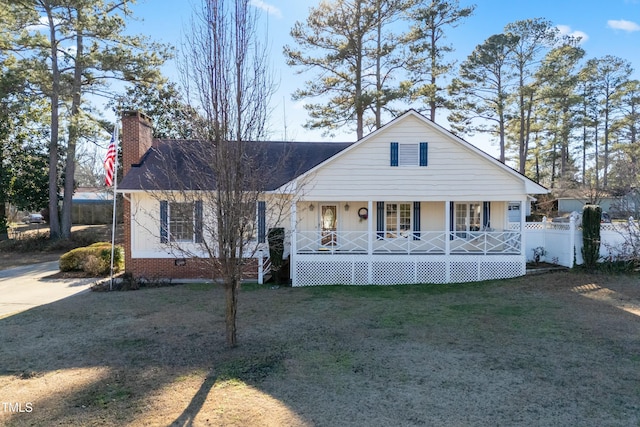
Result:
x=562 y=242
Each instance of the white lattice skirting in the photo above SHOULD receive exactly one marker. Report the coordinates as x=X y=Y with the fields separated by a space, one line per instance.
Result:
x=313 y=270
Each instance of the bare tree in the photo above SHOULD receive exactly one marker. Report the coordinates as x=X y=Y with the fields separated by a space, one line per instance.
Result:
x=224 y=67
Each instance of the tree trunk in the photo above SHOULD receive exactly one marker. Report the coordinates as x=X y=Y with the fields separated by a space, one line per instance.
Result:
x=70 y=167
x=433 y=78
x=231 y=297
x=231 y=286
x=358 y=89
x=378 y=107
x=54 y=219
x=597 y=159
x=605 y=171
x=3 y=194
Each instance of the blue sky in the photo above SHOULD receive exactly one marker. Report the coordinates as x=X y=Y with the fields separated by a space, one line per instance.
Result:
x=607 y=27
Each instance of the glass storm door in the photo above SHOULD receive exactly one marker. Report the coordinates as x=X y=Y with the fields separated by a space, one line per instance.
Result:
x=329 y=222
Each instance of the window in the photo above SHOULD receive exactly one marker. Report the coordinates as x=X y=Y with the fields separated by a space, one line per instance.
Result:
x=468 y=217
x=409 y=154
x=398 y=220
x=181 y=222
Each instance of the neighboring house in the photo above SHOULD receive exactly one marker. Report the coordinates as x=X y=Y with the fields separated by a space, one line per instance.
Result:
x=409 y=203
x=618 y=207
x=92 y=206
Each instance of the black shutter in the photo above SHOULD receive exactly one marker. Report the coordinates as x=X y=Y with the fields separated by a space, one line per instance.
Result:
x=380 y=219
x=486 y=215
x=394 y=154
x=424 y=151
x=198 y=221
x=164 y=221
x=262 y=222
x=451 y=220
x=416 y=220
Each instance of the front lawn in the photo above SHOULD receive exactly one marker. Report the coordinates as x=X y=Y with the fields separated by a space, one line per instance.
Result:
x=553 y=349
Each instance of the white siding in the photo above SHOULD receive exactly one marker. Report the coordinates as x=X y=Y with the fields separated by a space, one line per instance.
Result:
x=145 y=228
x=432 y=216
x=454 y=171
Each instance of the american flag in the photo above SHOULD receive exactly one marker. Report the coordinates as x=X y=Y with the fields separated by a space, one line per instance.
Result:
x=110 y=159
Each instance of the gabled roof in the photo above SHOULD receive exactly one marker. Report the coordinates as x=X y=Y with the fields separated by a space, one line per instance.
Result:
x=165 y=166
x=531 y=187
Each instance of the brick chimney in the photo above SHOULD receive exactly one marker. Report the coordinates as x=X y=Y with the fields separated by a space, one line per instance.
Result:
x=137 y=136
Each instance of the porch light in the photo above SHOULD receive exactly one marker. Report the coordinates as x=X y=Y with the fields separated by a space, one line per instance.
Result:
x=311 y=207
x=346 y=207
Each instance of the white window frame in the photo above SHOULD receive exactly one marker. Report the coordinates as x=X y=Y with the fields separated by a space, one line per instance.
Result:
x=408 y=155
x=173 y=222
x=398 y=229
x=465 y=230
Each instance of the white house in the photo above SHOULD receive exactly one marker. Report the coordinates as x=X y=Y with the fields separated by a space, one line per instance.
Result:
x=409 y=203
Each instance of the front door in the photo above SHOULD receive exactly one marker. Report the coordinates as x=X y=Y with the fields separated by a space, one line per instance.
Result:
x=329 y=222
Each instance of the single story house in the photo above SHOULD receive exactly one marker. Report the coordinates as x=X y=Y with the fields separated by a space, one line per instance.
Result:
x=408 y=203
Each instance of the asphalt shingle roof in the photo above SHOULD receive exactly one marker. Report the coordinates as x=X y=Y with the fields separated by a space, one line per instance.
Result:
x=179 y=164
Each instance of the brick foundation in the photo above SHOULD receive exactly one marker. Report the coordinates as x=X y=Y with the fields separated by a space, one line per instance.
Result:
x=163 y=268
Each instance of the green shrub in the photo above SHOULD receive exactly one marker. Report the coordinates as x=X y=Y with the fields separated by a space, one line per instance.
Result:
x=275 y=238
x=94 y=259
x=591 y=216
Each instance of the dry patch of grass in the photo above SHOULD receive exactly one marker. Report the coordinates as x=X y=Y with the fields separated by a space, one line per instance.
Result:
x=541 y=350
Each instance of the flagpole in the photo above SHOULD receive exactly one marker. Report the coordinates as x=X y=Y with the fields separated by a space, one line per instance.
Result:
x=113 y=219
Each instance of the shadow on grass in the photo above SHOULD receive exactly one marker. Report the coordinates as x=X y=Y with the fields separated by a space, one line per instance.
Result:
x=186 y=419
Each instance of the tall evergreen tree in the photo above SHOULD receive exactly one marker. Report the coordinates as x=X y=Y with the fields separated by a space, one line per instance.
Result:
x=427 y=38
x=557 y=79
x=172 y=117
x=356 y=57
x=625 y=167
x=534 y=38
x=481 y=91
x=74 y=49
x=609 y=75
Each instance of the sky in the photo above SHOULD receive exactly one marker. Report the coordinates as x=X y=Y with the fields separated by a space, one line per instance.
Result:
x=610 y=27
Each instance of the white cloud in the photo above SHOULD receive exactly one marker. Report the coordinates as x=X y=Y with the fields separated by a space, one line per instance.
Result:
x=623 y=25
x=269 y=8
x=42 y=25
x=566 y=30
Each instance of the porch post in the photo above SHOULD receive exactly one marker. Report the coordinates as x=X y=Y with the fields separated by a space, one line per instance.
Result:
x=260 y=267
x=523 y=222
x=294 y=243
x=370 y=242
x=370 y=227
x=447 y=227
x=447 y=240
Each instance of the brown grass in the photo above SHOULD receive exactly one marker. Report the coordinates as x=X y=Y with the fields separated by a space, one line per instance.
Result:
x=555 y=349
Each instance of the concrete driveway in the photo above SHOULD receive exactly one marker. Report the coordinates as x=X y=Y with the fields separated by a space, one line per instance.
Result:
x=25 y=287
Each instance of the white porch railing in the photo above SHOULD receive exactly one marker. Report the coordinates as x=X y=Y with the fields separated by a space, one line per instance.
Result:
x=332 y=241
x=423 y=242
x=264 y=265
x=486 y=242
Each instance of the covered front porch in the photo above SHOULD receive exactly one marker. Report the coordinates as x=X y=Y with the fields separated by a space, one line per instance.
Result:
x=393 y=242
